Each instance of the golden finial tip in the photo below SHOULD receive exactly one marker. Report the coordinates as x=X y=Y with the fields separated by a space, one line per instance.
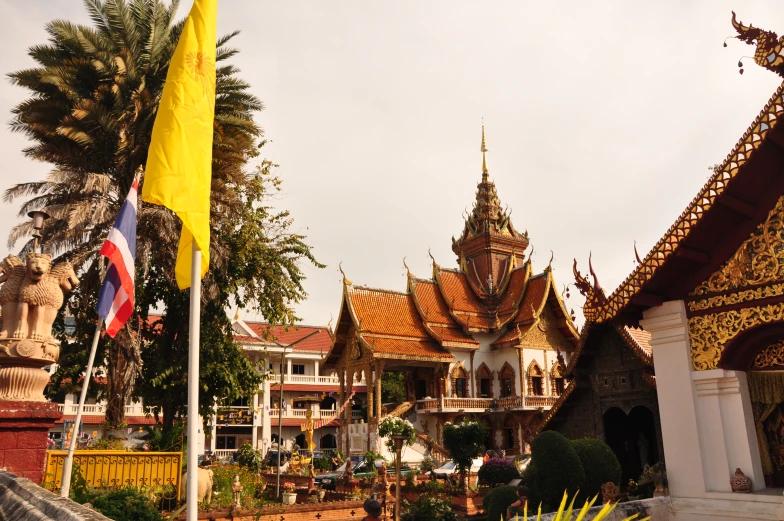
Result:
x=484 y=151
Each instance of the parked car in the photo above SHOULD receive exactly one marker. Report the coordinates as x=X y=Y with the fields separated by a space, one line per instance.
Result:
x=449 y=468
x=273 y=455
x=328 y=480
x=522 y=462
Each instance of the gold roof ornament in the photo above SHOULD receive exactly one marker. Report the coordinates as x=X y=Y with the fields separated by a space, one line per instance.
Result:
x=484 y=151
x=346 y=280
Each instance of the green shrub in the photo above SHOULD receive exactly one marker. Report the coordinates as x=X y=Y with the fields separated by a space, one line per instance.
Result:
x=427 y=464
x=497 y=471
x=464 y=441
x=498 y=500
x=321 y=464
x=600 y=465
x=126 y=504
x=555 y=467
x=250 y=458
x=429 y=507
x=222 y=479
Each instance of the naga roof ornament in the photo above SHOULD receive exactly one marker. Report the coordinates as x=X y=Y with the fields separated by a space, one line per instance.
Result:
x=769 y=52
x=593 y=293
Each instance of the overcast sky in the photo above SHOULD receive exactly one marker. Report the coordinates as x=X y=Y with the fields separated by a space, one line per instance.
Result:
x=602 y=121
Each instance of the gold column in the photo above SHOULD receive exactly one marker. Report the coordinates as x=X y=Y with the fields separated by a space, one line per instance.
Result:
x=523 y=386
x=369 y=386
x=377 y=381
x=472 y=378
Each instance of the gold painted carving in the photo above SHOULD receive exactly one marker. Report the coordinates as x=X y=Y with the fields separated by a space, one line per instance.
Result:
x=709 y=334
x=759 y=260
x=748 y=295
x=771 y=356
x=546 y=335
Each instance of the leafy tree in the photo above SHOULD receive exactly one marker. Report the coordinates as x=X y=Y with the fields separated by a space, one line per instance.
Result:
x=464 y=441
x=393 y=388
x=94 y=94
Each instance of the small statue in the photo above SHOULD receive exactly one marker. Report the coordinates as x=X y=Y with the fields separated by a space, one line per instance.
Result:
x=610 y=492
x=383 y=477
x=236 y=490
x=308 y=430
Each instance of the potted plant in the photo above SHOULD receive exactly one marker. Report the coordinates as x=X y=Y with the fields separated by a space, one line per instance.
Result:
x=289 y=496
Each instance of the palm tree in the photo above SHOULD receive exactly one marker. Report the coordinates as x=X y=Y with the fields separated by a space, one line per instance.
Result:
x=94 y=96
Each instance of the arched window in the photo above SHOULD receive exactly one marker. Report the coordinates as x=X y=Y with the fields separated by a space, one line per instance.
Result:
x=511 y=435
x=459 y=379
x=557 y=379
x=535 y=379
x=484 y=381
x=507 y=378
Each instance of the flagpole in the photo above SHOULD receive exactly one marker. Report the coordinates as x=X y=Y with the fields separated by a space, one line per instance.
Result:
x=194 y=328
x=65 y=482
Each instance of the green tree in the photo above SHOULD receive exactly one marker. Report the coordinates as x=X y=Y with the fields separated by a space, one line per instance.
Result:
x=393 y=388
x=464 y=441
x=94 y=94
x=600 y=464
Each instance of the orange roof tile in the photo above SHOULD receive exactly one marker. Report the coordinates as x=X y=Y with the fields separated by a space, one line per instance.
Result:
x=642 y=337
x=453 y=335
x=458 y=293
x=514 y=333
x=91 y=419
x=314 y=388
x=513 y=293
x=435 y=314
x=402 y=348
x=386 y=313
x=535 y=293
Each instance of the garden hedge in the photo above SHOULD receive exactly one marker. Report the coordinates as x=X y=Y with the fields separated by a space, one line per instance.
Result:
x=498 y=500
x=600 y=465
x=555 y=467
x=497 y=471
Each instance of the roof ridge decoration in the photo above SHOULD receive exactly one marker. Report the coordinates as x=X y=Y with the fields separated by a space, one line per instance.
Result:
x=346 y=281
x=769 y=51
x=705 y=199
x=593 y=293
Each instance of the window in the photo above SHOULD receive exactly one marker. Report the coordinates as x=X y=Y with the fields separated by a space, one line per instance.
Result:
x=536 y=385
x=559 y=386
x=460 y=387
x=421 y=389
x=298 y=369
x=484 y=388
x=227 y=442
x=506 y=387
x=510 y=439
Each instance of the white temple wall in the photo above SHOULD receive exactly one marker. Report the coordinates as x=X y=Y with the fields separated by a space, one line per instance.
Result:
x=707 y=427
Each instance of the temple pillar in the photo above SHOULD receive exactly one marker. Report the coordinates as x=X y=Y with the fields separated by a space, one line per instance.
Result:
x=683 y=450
x=472 y=377
x=726 y=426
x=369 y=381
x=213 y=434
x=256 y=417
x=379 y=373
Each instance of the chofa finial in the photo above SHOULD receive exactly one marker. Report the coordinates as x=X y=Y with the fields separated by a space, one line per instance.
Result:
x=346 y=281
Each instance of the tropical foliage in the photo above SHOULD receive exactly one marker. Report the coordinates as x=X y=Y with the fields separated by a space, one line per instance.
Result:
x=464 y=441
x=394 y=426
x=566 y=511
x=93 y=99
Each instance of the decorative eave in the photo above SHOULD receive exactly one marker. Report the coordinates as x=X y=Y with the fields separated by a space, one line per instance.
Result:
x=345 y=306
x=733 y=200
x=642 y=353
x=519 y=298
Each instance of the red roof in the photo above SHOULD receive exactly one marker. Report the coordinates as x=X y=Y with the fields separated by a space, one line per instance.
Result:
x=319 y=342
x=315 y=388
x=297 y=422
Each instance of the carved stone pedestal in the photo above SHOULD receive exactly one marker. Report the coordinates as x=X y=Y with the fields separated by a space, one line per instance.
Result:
x=24 y=427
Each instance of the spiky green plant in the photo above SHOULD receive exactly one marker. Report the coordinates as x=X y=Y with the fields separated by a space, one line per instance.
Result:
x=565 y=512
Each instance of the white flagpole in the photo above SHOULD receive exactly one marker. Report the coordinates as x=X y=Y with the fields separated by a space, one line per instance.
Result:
x=65 y=482
x=194 y=328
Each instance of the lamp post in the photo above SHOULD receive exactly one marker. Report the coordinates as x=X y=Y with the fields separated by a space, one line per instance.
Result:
x=398 y=439
x=38 y=217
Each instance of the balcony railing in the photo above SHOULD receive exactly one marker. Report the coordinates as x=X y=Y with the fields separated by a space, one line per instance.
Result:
x=100 y=408
x=310 y=379
x=482 y=404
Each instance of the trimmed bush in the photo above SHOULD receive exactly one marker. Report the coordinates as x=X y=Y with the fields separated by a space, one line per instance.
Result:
x=497 y=471
x=555 y=467
x=498 y=500
x=600 y=465
x=126 y=504
x=429 y=507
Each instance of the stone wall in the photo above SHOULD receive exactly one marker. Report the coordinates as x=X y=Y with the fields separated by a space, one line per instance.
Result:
x=23 y=500
x=657 y=508
x=24 y=428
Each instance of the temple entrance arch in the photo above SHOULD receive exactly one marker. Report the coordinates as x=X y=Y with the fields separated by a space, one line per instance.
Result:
x=632 y=437
x=328 y=441
x=759 y=352
x=300 y=441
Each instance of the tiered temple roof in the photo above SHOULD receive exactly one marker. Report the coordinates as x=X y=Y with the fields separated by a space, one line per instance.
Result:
x=490 y=292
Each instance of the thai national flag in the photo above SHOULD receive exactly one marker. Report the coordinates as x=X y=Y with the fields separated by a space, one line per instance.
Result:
x=115 y=303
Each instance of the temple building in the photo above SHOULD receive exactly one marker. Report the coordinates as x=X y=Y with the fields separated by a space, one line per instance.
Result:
x=487 y=339
x=711 y=295
x=612 y=396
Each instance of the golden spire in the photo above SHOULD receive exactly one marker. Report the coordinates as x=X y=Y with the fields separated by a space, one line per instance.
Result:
x=484 y=151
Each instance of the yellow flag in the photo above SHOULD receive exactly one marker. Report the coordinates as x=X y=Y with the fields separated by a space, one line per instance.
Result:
x=179 y=163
